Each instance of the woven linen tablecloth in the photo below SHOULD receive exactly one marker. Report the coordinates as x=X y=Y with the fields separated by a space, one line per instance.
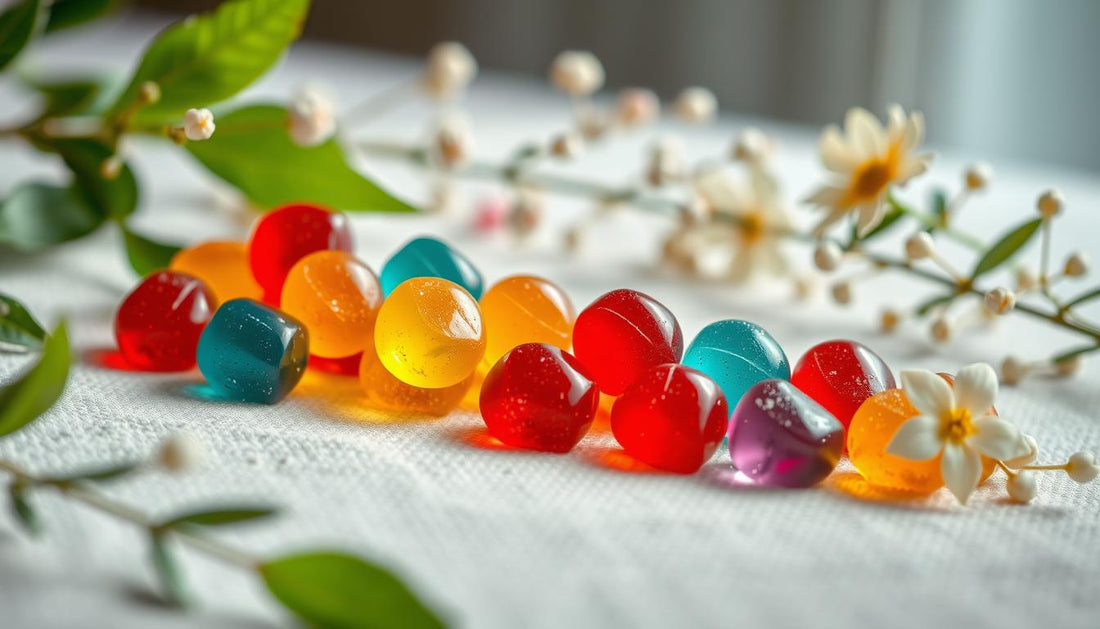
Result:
x=506 y=539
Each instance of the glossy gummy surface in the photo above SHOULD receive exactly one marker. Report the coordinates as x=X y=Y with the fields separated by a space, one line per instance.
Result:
x=624 y=334
x=779 y=436
x=158 y=324
x=385 y=392
x=337 y=298
x=525 y=309
x=429 y=333
x=429 y=257
x=737 y=354
x=672 y=417
x=286 y=235
x=535 y=397
x=251 y=352
x=223 y=266
x=841 y=375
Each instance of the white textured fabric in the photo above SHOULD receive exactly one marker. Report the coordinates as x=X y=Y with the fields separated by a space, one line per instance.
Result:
x=503 y=539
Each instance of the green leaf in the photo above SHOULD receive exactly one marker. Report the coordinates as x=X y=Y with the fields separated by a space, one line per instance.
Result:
x=147 y=255
x=339 y=591
x=110 y=472
x=116 y=198
x=206 y=59
x=18 y=25
x=927 y=306
x=21 y=508
x=67 y=96
x=30 y=395
x=218 y=517
x=69 y=13
x=1004 y=248
x=252 y=151
x=939 y=204
x=18 y=328
x=168 y=573
x=36 y=215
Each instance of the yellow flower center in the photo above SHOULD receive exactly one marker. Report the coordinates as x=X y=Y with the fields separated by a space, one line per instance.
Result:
x=871 y=177
x=754 y=226
x=956 y=425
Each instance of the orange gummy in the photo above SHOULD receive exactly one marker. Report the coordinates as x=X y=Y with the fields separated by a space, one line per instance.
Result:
x=222 y=266
x=384 y=391
x=337 y=297
x=525 y=309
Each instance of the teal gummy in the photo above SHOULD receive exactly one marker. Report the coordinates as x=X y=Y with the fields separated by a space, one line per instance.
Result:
x=250 y=352
x=737 y=354
x=429 y=257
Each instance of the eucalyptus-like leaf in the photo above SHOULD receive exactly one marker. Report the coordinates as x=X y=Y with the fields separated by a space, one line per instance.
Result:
x=1006 y=247
x=927 y=306
x=18 y=26
x=25 y=513
x=110 y=472
x=34 y=392
x=116 y=197
x=69 y=13
x=335 y=590
x=168 y=573
x=36 y=215
x=208 y=58
x=18 y=328
x=253 y=152
x=147 y=255
x=219 y=517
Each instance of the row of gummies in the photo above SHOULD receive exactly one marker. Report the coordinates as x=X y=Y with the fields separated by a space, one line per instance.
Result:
x=422 y=333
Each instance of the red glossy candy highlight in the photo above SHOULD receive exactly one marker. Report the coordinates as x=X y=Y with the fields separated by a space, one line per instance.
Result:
x=536 y=398
x=841 y=375
x=159 y=323
x=623 y=334
x=288 y=234
x=673 y=418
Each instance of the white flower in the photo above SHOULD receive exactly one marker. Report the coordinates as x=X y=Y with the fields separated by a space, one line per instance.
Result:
x=867 y=160
x=1032 y=451
x=1021 y=486
x=198 y=124
x=827 y=256
x=978 y=175
x=1026 y=279
x=454 y=140
x=753 y=146
x=449 y=70
x=919 y=246
x=637 y=106
x=1082 y=467
x=1000 y=300
x=666 y=161
x=941 y=330
x=889 y=320
x=1077 y=264
x=1050 y=203
x=842 y=293
x=696 y=105
x=957 y=422
x=311 y=119
x=181 y=451
x=577 y=73
x=1013 y=370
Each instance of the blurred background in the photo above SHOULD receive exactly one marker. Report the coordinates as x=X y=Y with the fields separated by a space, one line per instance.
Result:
x=1012 y=79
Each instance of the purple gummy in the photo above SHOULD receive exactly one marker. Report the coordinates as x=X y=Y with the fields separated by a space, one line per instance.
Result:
x=779 y=436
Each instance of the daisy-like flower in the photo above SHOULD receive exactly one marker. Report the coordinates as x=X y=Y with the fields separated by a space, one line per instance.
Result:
x=958 y=423
x=867 y=160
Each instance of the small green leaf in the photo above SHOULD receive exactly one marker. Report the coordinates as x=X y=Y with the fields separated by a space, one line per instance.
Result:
x=339 y=591
x=218 y=517
x=889 y=219
x=939 y=204
x=927 y=306
x=18 y=328
x=168 y=572
x=147 y=255
x=253 y=151
x=110 y=472
x=30 y=395
x=1083 y=298
x=207 y=58
x=1006 y=247
x=37 y=215
x=69 y=13
x=18 y=25
x=66 y=96
x=116 y=197
x=21 y=507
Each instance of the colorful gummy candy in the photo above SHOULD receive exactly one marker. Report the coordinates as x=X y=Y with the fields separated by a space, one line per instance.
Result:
x=525 y=309
x=737 y=355
x=288 y=234
x=337 y=298
x=430 y=257
x=223 y=266
x=158 y=324
x=841 y=375
x=385 y=392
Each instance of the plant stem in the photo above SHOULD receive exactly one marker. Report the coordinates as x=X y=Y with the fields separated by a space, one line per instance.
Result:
x=378 y=104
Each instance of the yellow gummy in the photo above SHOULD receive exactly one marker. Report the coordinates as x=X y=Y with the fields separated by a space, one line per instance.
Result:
x=525 y=309
x=386 y=392
x=337 y=297
x=222 y=266
x=429 y=333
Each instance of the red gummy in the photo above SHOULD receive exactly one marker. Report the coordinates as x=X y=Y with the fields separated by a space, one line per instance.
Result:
x=840 y=375
x=673 y=418
x=623 y=334
x=346 y=366
x=159 y=323
x=537 y=398
x=288 y=234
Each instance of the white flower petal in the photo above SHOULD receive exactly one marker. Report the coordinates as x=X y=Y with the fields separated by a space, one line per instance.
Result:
x=929 y=393
x=917 y=439
x=997 y=438
x=865 y=134
x=962 y=469
x=976 y=388
x=870 y=215
x=895 y=128
x=835 y=153
x=914 y=132
x=826 y=196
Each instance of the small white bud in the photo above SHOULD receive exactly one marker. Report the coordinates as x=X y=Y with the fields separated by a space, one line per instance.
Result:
x=637 y=107
x=593 y=122
x=1050 y=203
x=198 y=124
x=1031 y=451
x=577 y=73
x=978 y=175
x=574 y=239
x=449 y=70
x=567 y=145
x=752 y=146
x=1000 y=300
x=526 y=214
x=919 y=246
x=453 y=141
x=1069 y=366
x=1077 y=264
x=941 y=330
x=111 y=167
x=804 y=286
x=311 y=117
x=149 y=92
x=1025 y=279
x=827 y=255
x=1021 y=486
x=842 y=293
x=181 y=451
x=665 y=162
x=1013 y=371
x=889 y=320
x=1082 y=467
x=696 y=105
